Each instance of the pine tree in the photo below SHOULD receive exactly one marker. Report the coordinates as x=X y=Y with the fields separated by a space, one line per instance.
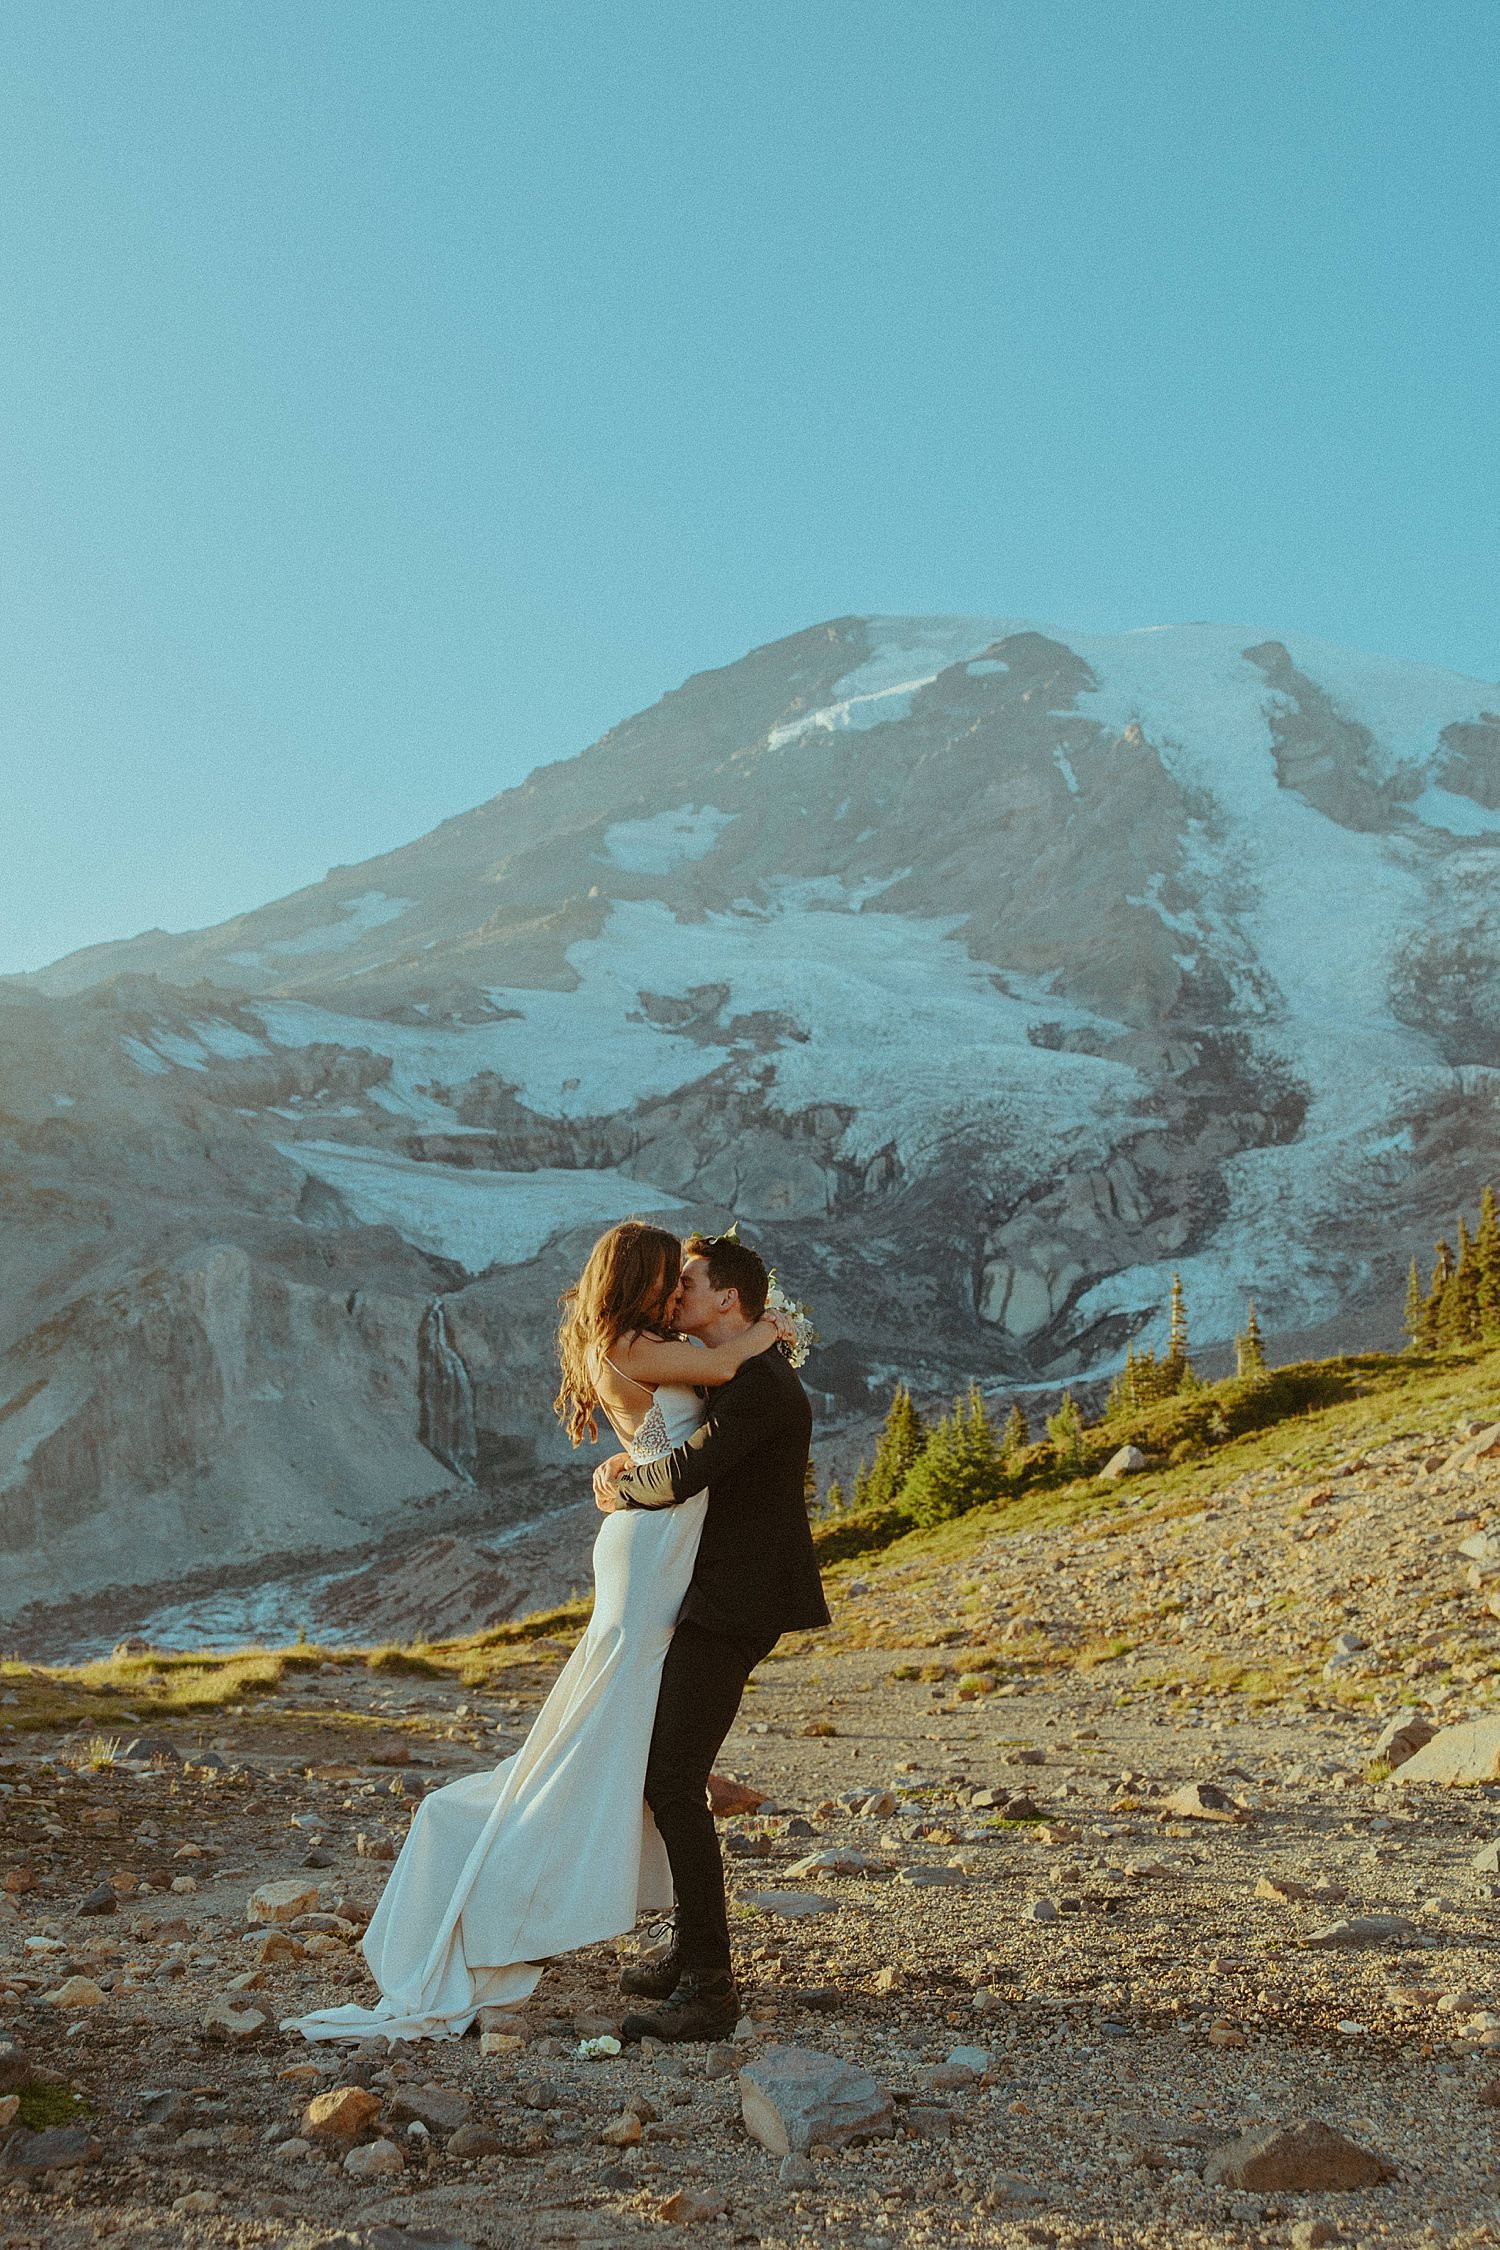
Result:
x=1177 y=1334
x=810 y=1486
x=1249 y=1347
x=1487 y=1264
x=1414 y=1318
x=958 y=1468
x=833 y=1499
x=897 y=1450
x=1015 y=1439
x=1065 y=1428
x=1437 y=1289
x=1458 y=1315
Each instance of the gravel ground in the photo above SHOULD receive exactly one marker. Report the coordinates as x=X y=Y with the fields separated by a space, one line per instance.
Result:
x=994 y=1744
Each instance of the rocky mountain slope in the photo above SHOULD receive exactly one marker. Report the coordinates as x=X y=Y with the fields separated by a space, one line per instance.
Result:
x=987 y=971
x=1079 y=1851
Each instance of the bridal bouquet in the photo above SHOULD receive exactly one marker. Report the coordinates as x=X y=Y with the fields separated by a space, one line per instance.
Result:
x=798 y=1319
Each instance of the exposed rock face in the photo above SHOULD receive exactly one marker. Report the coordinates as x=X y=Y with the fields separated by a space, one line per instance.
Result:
x=986 y=971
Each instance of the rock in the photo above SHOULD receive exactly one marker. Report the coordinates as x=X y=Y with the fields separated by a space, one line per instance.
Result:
x=77 y=1992
x=500 y=2042
x=338 y=2117
x=473 y=2141
x=928 y=2121
x=931 y=1878
x=690 y=2206
x=1201 y=1800
x=1486 y=1860
x=833 y=1863
x=1483 y=1446
x=281 y=1902
x=623 y=2131
x=877 y=1806
x=1284 y=1888
x=1039 y=1910
x=1402 y=1737
x=132 y=1645
x=1027 y=1755
x=57 y=2149
x=796 y=2171
x=100 y=1900
x=1306 y=2158
x=1363 y=1929
x=377 y=2160
x=18 y=1879
x=1312 y=2234
x=272 y=1945
x=1128 y=1462
x=792 y=1906
x=792 y=2097
x=1349 y=1644
x=10 y=2105
x=141 y=1749
x=1457 y=1755
x=442 y=2109
x=225 y=2021
x=728 y=1798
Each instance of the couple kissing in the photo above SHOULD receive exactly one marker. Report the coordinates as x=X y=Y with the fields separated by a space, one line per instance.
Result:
x=703 y=1560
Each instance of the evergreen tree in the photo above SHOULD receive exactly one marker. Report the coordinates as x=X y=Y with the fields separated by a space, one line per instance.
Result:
x=1177 y=1334
x=1249 y=1346
x=1458 y=1314
x=1437 y=1289
x=958 y=1468
x=833 y=1499
x=810 y=1486
x=1065 y=1428
x=897 y=1450
x=1487 y=1265
x=1414 y=1318
x=1016 y=1438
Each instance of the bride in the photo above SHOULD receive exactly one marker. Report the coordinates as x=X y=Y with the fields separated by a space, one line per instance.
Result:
x=554 y=1849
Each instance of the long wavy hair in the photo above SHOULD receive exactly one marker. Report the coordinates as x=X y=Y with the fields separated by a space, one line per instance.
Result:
x=624 y=1287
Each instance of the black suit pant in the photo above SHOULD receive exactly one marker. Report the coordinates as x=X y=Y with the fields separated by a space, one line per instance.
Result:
x=702 y=1682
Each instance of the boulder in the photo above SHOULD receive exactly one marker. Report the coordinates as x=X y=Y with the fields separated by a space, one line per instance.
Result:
x=792 y=1906
x=727 y=1798
x=377 y=2160
x=227 y=2022
x=58 y=2149
x=77 y=1992
x=338 y=2117
x=442 y=2109
x=1457 y=1755
x=1364 y=1929
x=1305 y=2158
x=1402 y=1737
x=1201 y=1800
x=691 y=2206
x=281 y=1902
x=1128 y=1462
x=793 y=2097
x=1486 y=1860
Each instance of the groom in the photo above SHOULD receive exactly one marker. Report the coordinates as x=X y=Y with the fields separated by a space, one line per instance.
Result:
x=755 y=1579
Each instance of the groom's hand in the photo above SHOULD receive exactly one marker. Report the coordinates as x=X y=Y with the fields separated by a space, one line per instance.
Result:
x=606 y=1482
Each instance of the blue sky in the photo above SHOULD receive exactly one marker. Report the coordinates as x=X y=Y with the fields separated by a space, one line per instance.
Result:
x=396 y=396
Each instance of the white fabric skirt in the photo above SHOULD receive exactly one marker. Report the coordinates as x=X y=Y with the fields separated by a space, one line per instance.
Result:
x=554 y=1849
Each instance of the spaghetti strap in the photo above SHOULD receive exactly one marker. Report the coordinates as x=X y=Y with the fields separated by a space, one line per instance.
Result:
x=648 y=1388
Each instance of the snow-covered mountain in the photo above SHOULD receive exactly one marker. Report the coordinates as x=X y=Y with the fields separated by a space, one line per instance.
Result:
x=987 y=971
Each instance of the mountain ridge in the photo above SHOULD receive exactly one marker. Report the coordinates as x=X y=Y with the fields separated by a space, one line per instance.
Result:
x=987 y=975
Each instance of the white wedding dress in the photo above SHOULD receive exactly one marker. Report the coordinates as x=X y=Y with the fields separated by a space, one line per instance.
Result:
x=553 y=1849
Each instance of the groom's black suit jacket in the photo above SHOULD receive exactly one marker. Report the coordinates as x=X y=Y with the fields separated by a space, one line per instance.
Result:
x=756 y=1575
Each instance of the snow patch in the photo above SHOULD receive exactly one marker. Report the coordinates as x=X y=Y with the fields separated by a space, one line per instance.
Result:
x=361 y=915
x=657 y=845
x=1455 y=814
x=144 y=1057
x=479 y=1218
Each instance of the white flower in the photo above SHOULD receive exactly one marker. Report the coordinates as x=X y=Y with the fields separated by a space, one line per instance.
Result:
x=798 y=1319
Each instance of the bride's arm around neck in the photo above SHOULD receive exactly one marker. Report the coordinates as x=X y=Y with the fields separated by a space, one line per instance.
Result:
x=651 y=1360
